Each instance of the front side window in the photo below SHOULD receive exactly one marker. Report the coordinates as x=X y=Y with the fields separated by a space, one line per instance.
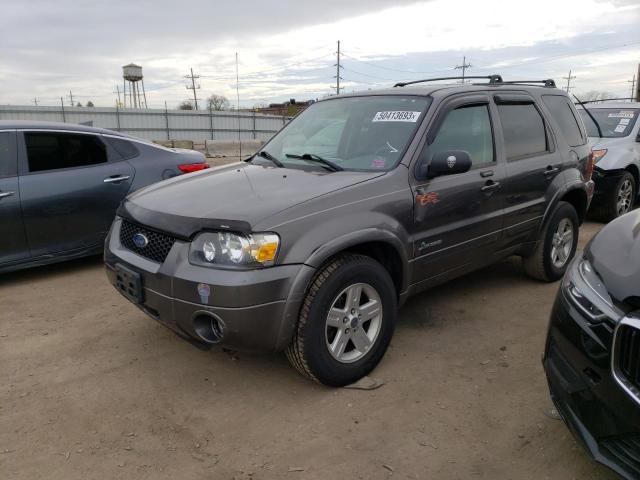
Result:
x=559 y=107
x=466 y=128
x=54 y=151
x=523 y=130
x=614 y=122
x=358 y=133
x=8 y=159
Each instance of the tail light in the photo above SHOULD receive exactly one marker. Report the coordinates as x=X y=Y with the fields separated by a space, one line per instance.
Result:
x=594 y=157
x=192 y=167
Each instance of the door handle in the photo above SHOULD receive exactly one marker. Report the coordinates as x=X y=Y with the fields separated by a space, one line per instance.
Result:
x=490 y=185
x=6 y=194
x=117 y=179
x=551 y=171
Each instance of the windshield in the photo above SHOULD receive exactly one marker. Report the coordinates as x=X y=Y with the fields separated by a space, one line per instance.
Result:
x=614 y=122
x=355 y=133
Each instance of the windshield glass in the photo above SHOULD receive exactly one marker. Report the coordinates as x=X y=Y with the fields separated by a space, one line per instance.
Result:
x=614 y=122
x=357 y=133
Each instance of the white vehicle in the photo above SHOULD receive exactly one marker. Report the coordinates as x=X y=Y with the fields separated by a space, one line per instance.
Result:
x=616 y=150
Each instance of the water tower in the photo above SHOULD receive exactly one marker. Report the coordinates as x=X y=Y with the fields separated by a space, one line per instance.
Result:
x=132 y=74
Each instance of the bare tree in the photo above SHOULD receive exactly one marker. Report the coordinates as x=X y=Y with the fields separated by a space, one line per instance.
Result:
x=592 y=95
x=218 y=102
x=186 y=105
x=89 y=103
x=78 y=104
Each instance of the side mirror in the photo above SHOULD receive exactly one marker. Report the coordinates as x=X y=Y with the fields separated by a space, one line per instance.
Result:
x=449 y=162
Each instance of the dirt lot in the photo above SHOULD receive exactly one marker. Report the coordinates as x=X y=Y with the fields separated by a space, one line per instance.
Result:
x=92 y=389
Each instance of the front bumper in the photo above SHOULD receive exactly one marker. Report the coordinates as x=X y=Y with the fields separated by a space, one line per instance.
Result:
x=596 y=409
x=256 y=309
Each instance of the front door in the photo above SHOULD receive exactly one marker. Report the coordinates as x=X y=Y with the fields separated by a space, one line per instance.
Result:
x=458 y=217
x=13 y=243
x=70 y=190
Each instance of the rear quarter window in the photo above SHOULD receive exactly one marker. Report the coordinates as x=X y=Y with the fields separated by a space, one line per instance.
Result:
x=125 y=148
x=564 y=116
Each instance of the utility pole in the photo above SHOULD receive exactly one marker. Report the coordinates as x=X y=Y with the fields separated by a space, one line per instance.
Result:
x=568 y=79
x=463 y=67
x=338 y=67
x=633 y=87
x=64 y=117
x=238 y=108
x=118 y=93
x=71 y=98
x=193 y=87
x=35 y=101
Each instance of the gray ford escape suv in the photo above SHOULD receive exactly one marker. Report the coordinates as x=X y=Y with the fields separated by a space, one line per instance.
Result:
x=359 y=202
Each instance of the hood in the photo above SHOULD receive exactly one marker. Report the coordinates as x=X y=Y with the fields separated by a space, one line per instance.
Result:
x=615 y=254
x=598 y=143
x=235 y=196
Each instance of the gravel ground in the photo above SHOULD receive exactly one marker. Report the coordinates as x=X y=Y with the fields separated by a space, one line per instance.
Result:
x=93 y=389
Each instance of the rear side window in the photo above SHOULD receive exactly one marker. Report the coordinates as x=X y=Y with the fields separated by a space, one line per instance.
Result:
x=53 y=151
x=125 y=148
x=563 y=113
x=466 y=128
x=8 y=158
x=523 y=130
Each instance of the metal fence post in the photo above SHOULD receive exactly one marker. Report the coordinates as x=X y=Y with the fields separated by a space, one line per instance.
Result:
x=64 y=119
x=166 y=117
x=254 y=124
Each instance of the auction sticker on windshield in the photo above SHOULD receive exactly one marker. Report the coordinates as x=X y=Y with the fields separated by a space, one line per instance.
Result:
x=397 y=116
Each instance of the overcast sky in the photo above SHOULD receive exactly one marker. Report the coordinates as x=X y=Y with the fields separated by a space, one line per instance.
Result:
x=286 y=48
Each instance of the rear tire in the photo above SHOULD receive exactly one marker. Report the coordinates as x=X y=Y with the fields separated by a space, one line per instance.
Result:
x=619 y=200
x=346 y=321
x=556 y=245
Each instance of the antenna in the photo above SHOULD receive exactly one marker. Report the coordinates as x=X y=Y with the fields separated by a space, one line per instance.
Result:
x=463 y=67
x=338 y=67
x=238 y=107
x=568 y=79
x=193 y=87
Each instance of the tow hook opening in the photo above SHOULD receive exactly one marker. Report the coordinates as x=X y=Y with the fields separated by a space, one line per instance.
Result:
x=208 y=327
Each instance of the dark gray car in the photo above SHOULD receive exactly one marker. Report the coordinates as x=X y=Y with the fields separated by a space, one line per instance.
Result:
x=60 y=186
x=358 y=203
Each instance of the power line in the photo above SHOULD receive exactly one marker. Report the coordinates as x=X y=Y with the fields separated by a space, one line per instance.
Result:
x=568 y=78
x=193 y=87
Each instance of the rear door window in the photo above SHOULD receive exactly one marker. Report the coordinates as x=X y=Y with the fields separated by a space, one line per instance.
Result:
x=8 y=159
x=54 y=151
x=523 y=130
x=559 y=107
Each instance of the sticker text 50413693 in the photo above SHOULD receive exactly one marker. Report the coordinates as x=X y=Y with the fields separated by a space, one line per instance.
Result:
x=396 y=116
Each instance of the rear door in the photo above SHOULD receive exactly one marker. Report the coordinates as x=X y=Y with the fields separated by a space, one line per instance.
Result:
x=533 y=163
x=458 y=218
x=13 y=243
x=71 y=185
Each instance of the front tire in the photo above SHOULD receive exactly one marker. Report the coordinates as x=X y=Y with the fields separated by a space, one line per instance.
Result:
x=346 y=321
x=556 y=245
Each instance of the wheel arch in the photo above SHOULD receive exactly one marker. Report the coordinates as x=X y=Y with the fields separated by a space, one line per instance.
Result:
x=578 y=198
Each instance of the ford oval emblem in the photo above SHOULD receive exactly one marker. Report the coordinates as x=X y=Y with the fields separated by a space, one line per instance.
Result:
x=140 y=240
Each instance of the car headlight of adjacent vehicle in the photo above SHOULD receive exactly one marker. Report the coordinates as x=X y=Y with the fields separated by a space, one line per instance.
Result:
x=584 y=288
x=231 y=250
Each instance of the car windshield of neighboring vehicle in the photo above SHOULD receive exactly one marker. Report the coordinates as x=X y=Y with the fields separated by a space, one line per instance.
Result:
x=357 y=133
x=614 y=122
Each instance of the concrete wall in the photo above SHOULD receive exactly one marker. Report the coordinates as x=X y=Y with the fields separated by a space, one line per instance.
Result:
x=158 y=124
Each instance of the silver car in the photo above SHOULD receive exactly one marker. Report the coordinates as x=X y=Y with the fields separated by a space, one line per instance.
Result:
x=616 y=151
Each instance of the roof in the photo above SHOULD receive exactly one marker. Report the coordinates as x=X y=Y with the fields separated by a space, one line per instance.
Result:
x=29 y=124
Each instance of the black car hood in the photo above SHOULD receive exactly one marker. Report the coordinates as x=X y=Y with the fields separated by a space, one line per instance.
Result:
x=615 y=254
x=234 y=197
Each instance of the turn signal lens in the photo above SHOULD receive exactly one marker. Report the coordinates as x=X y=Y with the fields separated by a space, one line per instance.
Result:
x=267 y=252
x=192 y=167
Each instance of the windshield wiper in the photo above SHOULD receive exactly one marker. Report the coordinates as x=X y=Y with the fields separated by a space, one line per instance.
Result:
x=590 y=116
x=268 y=156
x=334 y=167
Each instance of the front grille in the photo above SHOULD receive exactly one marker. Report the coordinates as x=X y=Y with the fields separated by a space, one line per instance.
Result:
x=627 y=354
x=624 y=450
x=157 y=248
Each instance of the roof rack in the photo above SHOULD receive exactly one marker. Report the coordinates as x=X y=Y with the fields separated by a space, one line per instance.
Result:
x=493 y=80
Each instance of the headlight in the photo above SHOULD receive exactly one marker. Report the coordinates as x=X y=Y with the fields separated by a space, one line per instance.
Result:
x=584 y=288
x=232 y=250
